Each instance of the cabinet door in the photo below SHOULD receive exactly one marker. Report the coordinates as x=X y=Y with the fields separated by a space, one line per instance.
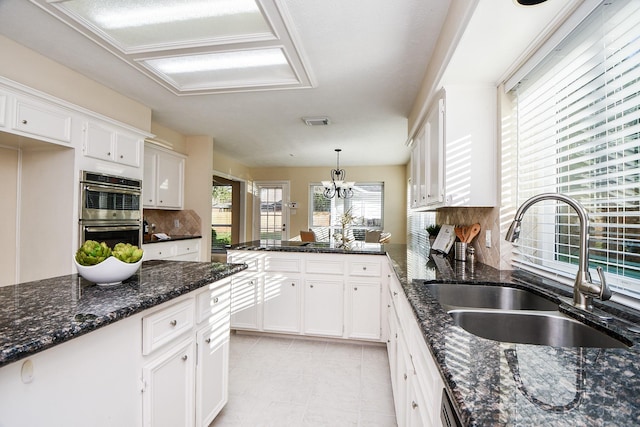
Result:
x=365 y=309
x=418 y=171
x=212 y=389
x=392 y=348
x=99 y=142
x=128 y=150
x=42 y=120
x=168 y=395
x=324 y=307
x=244 y=301
x=434 y=154
x=149 y=178
x=281 y=307
x=170 y=181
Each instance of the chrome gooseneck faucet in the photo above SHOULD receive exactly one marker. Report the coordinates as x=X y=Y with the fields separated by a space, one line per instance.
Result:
x=584 y=290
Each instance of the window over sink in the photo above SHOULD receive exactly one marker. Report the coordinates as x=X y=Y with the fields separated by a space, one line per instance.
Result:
x=577 y=117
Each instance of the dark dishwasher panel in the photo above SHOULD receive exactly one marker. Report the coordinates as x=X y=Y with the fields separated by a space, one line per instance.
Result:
x=447 y=412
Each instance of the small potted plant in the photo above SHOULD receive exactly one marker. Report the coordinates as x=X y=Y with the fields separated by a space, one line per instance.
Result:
x=433 y=231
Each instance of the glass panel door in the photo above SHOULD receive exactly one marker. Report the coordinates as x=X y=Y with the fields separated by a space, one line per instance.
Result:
x=271 y=211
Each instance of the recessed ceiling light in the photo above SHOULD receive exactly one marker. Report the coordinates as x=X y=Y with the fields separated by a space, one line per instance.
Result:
x=219 y=61
x=316 y=121
x=114 y=15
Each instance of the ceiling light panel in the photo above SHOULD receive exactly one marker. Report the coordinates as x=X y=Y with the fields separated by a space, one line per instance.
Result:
x=245 y=68
x=144 y=25
x=194 y=47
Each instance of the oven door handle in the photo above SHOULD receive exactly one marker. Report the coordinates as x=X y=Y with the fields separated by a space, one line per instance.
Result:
x=109 y=189
x=94 y=229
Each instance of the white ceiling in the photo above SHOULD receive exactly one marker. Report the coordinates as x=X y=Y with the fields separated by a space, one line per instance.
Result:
x=367 y=59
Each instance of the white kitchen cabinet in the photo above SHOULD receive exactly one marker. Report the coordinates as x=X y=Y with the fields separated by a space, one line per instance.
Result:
x=169 y=384
x=281 y=305
x=3 y=109
x=415 y=378
x=163 y=183
x=110 y=144
x=324 y=307
x=212 y=346
x=42 y=120
x=178 y=250
x=364 y=306
x=245 y=291
x=455 y=151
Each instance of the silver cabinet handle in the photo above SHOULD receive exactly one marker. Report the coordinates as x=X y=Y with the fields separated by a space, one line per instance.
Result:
x=185 y=357
x=173 y=322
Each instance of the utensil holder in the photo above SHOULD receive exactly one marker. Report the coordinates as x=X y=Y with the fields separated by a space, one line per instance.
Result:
x=460 y=251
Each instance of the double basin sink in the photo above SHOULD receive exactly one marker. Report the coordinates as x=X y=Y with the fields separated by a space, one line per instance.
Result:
x=509 y=314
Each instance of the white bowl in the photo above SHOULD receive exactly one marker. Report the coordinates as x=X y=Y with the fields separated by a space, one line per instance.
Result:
x=111 y=271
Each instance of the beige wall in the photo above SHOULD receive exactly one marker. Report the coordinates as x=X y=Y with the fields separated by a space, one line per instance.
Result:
x=165 y=134
x=9 y=158
x=25 y=66
x=394 y=179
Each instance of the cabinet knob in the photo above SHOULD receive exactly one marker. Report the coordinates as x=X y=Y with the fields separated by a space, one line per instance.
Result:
x=109 y=153
x=24 y=122
x=405 y=377
x=414 y=405
x=215 y=300
x=293 y=284
x=208 y=340
x=173 y=322
x=355 y=289
x=185 y=357
x=364 y=268
x=395 y=294
x=121 y=156
x=311 y=286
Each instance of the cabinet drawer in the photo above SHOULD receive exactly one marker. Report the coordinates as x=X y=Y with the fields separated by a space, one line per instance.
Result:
x=159 y=250
x=43 y=120
x=252 y=259
x=324 y=266
x=214 y=303
x=284 y=264
x=187 y=246
x=364 y=268
x=162 y=327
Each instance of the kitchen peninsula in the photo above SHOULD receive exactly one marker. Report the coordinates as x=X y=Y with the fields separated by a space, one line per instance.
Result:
x=489 y=382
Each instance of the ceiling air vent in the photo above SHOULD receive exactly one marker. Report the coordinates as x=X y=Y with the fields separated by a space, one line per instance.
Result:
x=316 y=121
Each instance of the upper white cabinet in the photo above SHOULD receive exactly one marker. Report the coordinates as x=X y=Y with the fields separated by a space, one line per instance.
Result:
x=163 y=180
x=42 y=120
x=454 y=156
x=110 y=144
x=3 y=109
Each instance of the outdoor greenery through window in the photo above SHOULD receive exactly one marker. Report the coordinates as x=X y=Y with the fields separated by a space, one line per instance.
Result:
x=366 y=205
x=578 y=133
x=221 y=216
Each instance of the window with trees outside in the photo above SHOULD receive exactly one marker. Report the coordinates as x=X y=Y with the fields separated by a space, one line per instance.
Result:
x=221 y=215
x=578 y=133
x=367 y=206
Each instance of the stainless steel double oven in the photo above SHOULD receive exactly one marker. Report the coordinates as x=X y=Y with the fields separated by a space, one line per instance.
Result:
x=110 y=209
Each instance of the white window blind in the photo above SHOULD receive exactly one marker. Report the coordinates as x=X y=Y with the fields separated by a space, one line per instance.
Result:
x=578 y=133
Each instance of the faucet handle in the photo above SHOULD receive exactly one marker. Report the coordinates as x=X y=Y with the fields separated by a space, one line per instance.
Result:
x=605 y=292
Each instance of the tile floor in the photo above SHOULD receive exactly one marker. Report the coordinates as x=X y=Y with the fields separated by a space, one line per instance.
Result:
x=282 y=381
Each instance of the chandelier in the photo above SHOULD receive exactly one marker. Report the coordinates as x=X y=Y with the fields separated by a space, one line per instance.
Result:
x=338 y=186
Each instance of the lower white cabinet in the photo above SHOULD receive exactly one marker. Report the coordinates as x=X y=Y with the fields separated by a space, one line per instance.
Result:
x=185 y=375
x=173 y=250
x=281 y=306
x=364 y=321
x=168 y=394
x=415 y=378
x=323 y=307
x=308 y=293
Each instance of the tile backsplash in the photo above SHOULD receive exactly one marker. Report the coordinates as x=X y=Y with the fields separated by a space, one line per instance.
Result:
x=183 y=223
x=488 y=218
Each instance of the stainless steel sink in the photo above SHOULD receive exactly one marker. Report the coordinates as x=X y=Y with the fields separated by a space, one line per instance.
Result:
x=486 y=296
x=532 y=327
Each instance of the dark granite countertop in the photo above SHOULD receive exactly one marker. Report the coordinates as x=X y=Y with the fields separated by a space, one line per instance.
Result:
x=356 y=247
x=503 y=384
x=151 y=239
x=38 y=315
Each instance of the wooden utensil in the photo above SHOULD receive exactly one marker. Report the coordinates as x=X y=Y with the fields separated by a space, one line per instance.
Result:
x=459 y=234
x=472 y=232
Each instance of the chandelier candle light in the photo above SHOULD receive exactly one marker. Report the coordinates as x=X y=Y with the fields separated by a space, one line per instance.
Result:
x=338 y=186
